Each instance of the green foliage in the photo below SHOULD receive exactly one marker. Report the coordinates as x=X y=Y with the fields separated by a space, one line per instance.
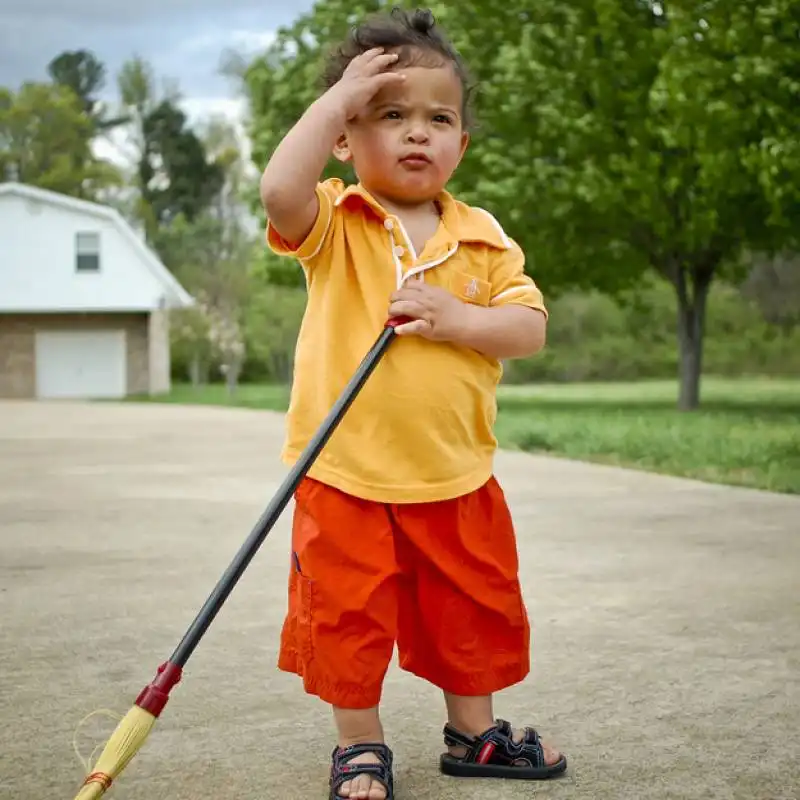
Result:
x=209 y=256
x=85 y=75
x=278 y=271
x=176 y=176
x=616 y=140
x=191 y=351
x=271 y=324
x=45 y=141
x=171 y=170
x=774 y=285
x=592 y=337
x=212 y=257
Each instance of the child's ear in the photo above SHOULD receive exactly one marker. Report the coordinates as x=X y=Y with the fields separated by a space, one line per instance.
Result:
x=464 y=144
x=341 y=150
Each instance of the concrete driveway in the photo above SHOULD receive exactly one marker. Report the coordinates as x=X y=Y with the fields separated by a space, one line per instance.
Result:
x=666 y=621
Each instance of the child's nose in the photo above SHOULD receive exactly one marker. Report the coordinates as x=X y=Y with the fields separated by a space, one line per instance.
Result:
x=417 y=133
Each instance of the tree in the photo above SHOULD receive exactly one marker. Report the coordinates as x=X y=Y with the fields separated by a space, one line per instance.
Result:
x=81 y=71
x=236 y=179
x=616 y=140
x=212 y=253
x=139 y=95
x=774 y=285
x=272 y=322
x=655 y=132
x=177 y=177
x=214 y=266
x=173 y=175
x=45 y=141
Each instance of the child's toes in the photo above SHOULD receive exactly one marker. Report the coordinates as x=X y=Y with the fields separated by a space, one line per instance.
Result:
x=361 y=787
x=377 y=791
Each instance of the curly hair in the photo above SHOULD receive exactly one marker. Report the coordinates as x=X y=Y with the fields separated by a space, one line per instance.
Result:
x=413 y=35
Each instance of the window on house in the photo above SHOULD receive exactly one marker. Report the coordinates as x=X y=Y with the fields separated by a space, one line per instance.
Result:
x=87 y=252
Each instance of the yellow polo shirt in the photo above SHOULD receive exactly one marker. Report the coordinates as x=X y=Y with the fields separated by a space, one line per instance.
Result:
x=421 y=429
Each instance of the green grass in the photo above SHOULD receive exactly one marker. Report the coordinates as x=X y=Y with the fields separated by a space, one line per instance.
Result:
x=261 y=395
x=747 y=432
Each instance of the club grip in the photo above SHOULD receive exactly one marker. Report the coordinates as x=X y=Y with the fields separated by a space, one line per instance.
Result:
x=393 y=322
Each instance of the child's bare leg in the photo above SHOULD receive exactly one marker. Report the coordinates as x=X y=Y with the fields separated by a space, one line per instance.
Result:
x=360 y=726
x=474 y=715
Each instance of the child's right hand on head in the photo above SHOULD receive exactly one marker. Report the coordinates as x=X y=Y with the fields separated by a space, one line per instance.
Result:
x=289 y=182
x=364 y=77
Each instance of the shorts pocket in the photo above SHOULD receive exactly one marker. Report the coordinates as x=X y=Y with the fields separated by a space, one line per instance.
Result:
x=304 y=617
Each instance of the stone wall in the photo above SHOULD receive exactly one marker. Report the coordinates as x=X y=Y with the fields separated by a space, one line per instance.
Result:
x=158 y=337
x=17 y=347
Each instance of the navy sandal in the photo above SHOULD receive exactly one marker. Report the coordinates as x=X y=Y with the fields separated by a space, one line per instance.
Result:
x=342 y=770
x=494 y=754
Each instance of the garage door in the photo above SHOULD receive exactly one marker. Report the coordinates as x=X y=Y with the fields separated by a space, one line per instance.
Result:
x=81 y=364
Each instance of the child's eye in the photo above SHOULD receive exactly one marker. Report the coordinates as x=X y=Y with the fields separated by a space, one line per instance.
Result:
x=443 y=118
x=392 y=115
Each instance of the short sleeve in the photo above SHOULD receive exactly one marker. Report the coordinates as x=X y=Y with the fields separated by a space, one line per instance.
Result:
x=319 y=236
x=511 y=284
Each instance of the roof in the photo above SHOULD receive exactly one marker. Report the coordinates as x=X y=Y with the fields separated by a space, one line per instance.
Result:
x=149 y=258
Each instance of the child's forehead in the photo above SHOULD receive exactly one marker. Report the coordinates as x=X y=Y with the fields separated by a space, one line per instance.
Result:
x=425 y=84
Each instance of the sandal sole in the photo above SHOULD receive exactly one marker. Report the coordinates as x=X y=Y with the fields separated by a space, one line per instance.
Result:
x=454 y=767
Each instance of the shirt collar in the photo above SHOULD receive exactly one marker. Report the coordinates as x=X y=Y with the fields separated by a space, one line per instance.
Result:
x=464 y=223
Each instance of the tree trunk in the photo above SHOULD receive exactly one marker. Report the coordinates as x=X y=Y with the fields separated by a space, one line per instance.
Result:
x=194 y=370
x=232 y=377
x=692 y=284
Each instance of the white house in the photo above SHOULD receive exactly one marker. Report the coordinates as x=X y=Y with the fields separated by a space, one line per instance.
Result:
x=83 y=301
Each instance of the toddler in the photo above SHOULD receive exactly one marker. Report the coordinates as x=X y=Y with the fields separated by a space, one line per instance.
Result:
x=401 y=533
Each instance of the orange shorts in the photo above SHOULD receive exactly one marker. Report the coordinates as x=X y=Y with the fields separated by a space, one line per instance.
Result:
x=438 y=579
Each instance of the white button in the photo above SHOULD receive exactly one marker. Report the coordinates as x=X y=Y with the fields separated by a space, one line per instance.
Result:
x=388 y=224
x=399 y=251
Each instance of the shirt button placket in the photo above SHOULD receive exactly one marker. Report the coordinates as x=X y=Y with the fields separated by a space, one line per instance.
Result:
x=397 y=250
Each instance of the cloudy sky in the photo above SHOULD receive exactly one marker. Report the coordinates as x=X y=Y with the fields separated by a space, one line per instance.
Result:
x=182 y=39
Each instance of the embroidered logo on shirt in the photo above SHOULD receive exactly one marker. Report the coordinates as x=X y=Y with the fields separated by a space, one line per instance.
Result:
x=472 y=289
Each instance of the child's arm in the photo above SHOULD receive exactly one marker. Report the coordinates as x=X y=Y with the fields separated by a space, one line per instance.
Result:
x=509 y=331
x=512 y=325
x=501 y=332
x=288 y=185
x=289 y=182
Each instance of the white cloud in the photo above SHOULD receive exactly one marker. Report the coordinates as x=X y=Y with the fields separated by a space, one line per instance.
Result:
x=200 y=108
x=233 y=109
x=253 y=40
x=250 y=41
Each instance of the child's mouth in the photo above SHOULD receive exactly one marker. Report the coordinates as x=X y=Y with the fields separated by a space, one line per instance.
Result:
x=416 y=160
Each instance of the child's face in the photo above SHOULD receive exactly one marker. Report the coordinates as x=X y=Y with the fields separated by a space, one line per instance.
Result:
x=409 y=140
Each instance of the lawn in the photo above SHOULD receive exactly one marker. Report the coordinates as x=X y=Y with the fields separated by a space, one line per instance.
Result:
x=747 y=432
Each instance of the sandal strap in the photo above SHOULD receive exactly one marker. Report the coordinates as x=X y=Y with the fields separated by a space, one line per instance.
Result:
x=381 y=750
x=497 y=746
x=454 y=737
x=342 y=770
